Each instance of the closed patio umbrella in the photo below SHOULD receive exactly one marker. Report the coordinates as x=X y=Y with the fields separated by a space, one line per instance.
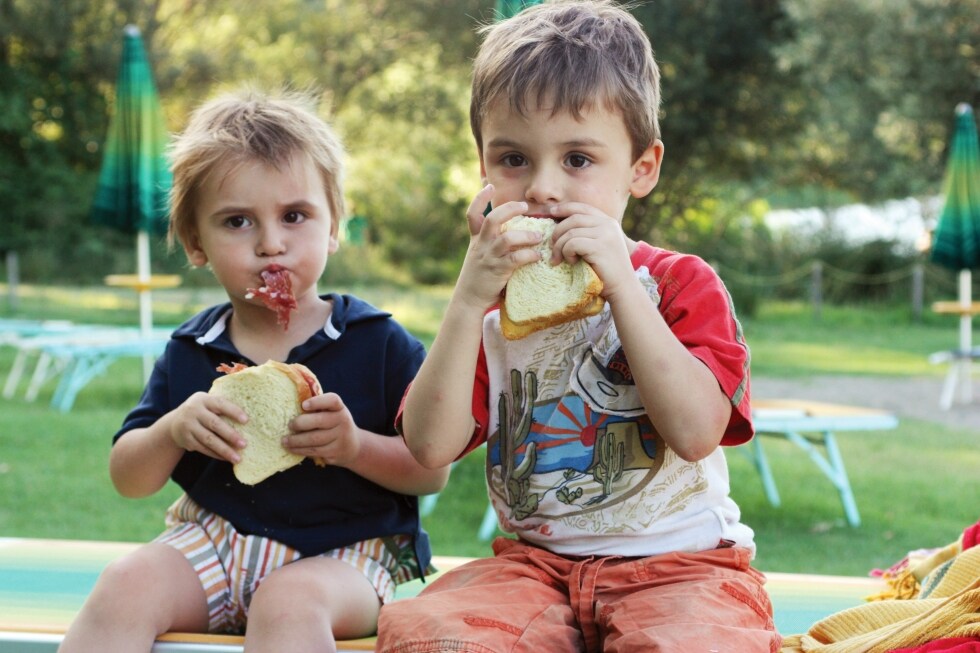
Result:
x=508 y=8
x=956 y=242
x=135 y=179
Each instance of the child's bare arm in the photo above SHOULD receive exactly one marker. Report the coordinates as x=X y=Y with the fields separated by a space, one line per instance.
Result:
x=438 y=419
x=682 y=397
x=142 y=459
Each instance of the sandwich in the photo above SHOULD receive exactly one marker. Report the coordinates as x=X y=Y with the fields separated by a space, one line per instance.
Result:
x=272 y=395
x=540 y=295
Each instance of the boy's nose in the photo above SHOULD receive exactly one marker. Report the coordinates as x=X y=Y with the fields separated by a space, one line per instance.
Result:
x=270 y=243
x=544 y=187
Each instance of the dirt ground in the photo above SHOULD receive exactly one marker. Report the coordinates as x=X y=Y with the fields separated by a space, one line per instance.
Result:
x=914 y=397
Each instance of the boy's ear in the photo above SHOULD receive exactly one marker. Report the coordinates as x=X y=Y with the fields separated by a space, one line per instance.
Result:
x=195 y=254
x=646 y=170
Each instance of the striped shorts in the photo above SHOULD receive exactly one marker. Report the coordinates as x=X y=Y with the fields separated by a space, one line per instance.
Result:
x=231 y=565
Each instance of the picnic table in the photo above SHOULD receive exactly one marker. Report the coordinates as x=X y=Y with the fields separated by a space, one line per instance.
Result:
x=812 y=425
x=77 y=354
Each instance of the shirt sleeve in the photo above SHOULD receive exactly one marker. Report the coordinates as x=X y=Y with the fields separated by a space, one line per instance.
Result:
x=699 y=311
x=154 y=402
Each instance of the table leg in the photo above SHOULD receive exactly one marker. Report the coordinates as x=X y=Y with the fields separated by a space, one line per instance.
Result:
x=841 y=481
x=833 y=468
x=949 y=387
x=761 y=463
x=489 y=524
x=965 y=378
x=13 y=378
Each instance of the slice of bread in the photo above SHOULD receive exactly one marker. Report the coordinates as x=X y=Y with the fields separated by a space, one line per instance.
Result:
x=540 y=295
x=271 y=394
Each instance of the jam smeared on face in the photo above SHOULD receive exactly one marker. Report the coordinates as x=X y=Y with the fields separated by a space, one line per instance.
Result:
x=276 y=294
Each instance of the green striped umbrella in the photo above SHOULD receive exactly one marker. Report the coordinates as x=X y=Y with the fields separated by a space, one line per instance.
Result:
x=508 y=8
x=956 y=242
x=135 y=178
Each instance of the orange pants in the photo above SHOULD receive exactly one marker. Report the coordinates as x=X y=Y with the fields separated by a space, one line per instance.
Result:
x=529 y=600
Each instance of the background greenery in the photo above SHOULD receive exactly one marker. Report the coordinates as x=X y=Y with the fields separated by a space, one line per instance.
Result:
x=767 y=103
x=914 y=485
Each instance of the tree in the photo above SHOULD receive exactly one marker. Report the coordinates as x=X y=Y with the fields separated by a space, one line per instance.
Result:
x=787 y=101
x=55 y=59
x=881 y=79
x=727 y=105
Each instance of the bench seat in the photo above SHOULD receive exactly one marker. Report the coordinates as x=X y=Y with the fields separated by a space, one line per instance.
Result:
x=43 y=583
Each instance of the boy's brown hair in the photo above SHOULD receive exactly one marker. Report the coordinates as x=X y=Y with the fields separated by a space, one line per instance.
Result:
x=573 y=55
x=248 y=125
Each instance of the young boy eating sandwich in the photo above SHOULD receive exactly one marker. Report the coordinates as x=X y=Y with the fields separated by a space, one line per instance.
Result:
x=309 y=554
x=603 y=433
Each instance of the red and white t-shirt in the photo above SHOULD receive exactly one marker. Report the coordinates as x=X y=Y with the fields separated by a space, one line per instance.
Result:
x=573 y=462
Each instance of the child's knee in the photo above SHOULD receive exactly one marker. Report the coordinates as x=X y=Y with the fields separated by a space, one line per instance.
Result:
x=133 y=575
x=307 y=596
x=155 y=579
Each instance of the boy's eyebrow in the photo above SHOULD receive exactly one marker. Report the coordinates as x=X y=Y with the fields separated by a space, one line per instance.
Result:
x=298 y=204
x=294 y=205
x=229 y=209
x=575 y=142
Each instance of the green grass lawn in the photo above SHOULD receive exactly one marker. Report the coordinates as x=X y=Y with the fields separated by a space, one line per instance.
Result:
x=914 y=485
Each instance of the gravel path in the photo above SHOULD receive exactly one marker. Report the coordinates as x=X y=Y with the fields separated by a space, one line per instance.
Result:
x=915 y=397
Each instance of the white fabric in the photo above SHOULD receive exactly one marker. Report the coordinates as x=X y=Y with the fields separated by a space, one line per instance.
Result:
x=590 y=476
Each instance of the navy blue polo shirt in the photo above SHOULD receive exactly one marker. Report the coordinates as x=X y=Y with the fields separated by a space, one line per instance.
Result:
x=364 y=356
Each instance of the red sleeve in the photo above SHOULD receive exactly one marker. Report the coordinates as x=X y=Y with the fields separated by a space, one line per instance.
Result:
x=696 y=305
x=481 y=406
x=481 y=403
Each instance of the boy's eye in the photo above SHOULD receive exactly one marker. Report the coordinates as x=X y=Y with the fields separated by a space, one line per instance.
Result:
x=513 y=160
x=577 y=160
x=293 y=217
x=237 y=221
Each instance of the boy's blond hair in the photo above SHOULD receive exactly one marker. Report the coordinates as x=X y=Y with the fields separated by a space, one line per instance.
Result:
x=249 y=125
x=573 y=55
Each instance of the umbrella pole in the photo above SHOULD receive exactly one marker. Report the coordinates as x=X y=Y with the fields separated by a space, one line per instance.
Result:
x=146 y=301
x=966 y=336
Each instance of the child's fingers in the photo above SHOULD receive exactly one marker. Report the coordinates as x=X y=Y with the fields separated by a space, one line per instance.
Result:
x=223 y=407
x=503 y=213
x=325 y=401
x=479 y=219
x=475 y=213
x=216 y=442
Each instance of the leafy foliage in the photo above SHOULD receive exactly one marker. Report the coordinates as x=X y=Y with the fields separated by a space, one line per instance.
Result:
x=726 y=105
x=881 y=80
x=789 y=102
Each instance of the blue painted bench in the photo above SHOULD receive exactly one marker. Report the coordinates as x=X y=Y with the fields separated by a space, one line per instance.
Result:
x=44 y=582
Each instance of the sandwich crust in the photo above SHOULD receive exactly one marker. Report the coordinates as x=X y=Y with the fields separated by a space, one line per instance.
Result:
x=306 y=382
x=531 y=292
